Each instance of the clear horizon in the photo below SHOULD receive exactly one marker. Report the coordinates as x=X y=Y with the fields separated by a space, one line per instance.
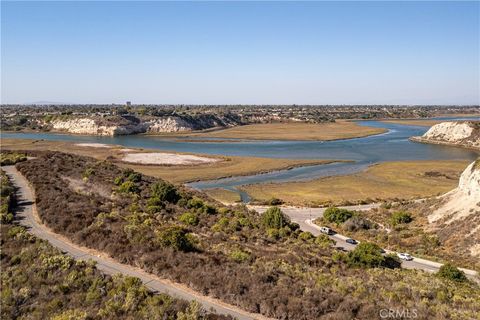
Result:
x=318 y=53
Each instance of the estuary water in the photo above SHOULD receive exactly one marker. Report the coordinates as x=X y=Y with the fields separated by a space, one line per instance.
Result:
x=390 y=146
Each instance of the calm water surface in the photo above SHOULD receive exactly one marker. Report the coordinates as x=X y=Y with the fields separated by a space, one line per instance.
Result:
x=390 y=146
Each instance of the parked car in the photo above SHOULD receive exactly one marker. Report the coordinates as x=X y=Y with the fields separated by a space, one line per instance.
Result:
x=326 y=230
x=404 y=256
x=351 y=241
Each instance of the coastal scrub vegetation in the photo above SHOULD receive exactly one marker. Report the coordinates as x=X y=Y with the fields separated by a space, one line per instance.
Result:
x=337 y=215
x=10 y=158
x=404 y=227
x=450 y=272
x=7 y=199
x=400 y=217
x=40 y=282
x=261 y=263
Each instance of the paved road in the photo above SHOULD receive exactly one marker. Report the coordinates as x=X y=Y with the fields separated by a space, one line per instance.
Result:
x=26 y=214
x=305 y=216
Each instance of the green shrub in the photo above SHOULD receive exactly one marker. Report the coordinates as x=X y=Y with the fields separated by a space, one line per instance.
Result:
x=154 y=205
x=5 y=216
x=305 y=236
x=274 y=218
x=165 y=191
x=88 y=173
x=200 y=206
x=195 y=202
x=221 y=224
x=356 y=223
x=6 y=190
x=209 y=209
x=239 y=256
x=8 y=159
x=323 y=240
x=128 y=187
x=366 y=255
x=16 y=231
x=273 y=233
x=392 y=261
x=337 y=215
x=59 y=261
x=450 y=272
x=274 y=202
x=400 y=217
x=118 y=181
x=134 y=177
x=189 y=218
x=71 y=315
x=175 y=237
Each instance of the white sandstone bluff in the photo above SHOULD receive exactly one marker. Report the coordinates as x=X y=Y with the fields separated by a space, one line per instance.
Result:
x=167 y=124
x=464 y=134
x=458 y=215
x=90 y=126
x=93 y=127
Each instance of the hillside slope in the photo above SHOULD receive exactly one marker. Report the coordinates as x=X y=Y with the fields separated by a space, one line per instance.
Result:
x=266 y=266
x=457 y=216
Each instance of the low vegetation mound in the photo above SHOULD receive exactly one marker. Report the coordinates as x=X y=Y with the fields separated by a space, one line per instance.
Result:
x=450 y=272
x=263 y=264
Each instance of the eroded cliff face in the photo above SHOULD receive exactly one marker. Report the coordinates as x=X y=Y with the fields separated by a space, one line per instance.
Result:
x=464 y=134
x=168 y=124
x=93 y=127
x=124 y=125
x=457 y=217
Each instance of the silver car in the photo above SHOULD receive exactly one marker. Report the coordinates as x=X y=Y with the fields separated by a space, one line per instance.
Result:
x=405 y=256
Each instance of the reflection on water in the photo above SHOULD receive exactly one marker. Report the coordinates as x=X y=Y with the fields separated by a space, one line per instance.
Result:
x=390 y=146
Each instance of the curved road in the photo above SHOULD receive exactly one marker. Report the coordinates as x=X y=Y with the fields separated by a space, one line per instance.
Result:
x=305 y=216
x=27 y=217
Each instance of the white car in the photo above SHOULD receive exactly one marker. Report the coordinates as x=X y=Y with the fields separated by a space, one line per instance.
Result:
x=405 y=256
x=326 y=230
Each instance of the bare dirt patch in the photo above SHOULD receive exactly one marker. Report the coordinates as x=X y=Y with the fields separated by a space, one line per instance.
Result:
x=166 y=158
x=82 y=187
x=94 y=145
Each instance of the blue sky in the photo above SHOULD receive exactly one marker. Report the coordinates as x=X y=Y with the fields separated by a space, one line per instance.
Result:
x=241 y=52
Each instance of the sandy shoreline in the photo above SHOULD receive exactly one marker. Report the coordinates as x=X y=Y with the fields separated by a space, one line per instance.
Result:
x=451 y=144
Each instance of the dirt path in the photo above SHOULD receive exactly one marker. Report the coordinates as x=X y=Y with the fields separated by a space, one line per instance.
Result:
x=26 y=213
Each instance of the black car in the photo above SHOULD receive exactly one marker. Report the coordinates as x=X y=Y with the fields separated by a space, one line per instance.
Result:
x=351 y=241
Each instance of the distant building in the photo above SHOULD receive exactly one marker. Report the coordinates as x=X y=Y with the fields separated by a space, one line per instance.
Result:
x=129 y=103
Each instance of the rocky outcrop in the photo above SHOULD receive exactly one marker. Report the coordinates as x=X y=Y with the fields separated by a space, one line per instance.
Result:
x=463 y=134
x=457 y=216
